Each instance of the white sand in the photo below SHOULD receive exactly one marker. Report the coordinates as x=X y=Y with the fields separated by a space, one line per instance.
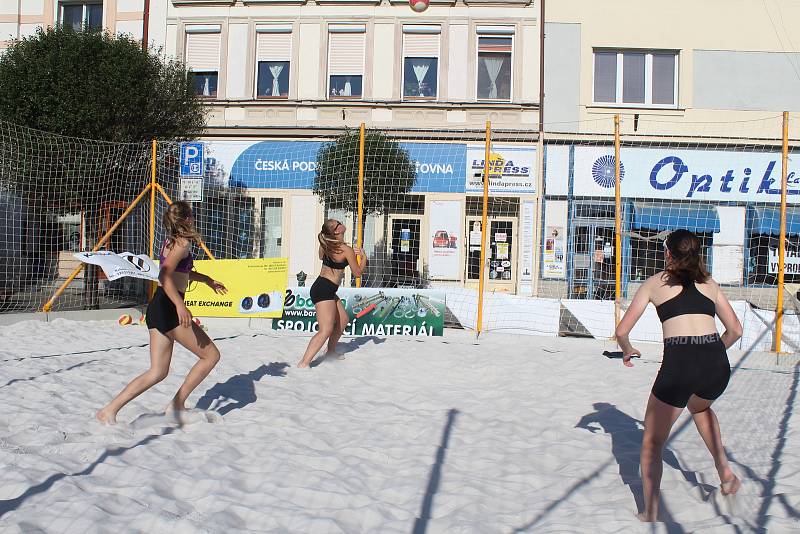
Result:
x=359 y=445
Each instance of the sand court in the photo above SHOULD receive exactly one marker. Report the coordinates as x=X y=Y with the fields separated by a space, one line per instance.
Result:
x=504 y=433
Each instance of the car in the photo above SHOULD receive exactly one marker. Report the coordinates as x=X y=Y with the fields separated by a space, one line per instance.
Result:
x=441 y=239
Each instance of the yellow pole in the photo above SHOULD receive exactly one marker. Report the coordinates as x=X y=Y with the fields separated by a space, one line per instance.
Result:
x=617 y=226
x=153 y=199
x=49 y=304
x=169 y=201
x=484 y=223
x=152 y=285
x=782 y=238
x=360 y=222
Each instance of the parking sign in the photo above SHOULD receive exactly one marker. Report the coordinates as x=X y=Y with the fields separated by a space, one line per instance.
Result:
x=192 y=160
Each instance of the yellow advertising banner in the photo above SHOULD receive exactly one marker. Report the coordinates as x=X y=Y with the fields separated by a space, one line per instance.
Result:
x=256 y=288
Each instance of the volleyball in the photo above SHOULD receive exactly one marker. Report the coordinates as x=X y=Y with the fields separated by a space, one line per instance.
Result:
x=419 y=5
x=125 y=320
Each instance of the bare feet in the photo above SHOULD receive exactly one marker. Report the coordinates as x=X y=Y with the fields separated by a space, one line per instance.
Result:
x=175 y=406
x=302 y=365
x=730 y=486
x=645 y=518
x=334 y=354
x=106 y=417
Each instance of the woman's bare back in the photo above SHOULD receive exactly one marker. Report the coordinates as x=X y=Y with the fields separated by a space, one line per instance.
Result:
x=663 y=288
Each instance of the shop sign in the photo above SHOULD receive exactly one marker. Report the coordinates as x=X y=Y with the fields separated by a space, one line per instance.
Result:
x=512 y=169
x=680 y=174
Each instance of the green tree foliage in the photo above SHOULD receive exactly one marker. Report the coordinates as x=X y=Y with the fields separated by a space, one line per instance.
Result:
x=94 y=101
x=389 y=172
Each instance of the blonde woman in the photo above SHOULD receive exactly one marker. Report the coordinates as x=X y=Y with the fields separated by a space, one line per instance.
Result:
x=168 y=319
x=331 y=315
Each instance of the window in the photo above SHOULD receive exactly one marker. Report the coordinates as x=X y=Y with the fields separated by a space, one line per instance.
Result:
x=274 y=55
x=346 y=60
x=637 y=78
x=202 y=58
x=420 y=62
x=271 y=227
x=494 y=63
x=82 y=15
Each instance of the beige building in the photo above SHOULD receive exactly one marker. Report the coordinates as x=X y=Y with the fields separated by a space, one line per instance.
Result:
x=21 y=18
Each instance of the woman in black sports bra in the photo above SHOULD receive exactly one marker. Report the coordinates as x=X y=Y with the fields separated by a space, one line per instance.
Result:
x=694 y=370
x=331 y=315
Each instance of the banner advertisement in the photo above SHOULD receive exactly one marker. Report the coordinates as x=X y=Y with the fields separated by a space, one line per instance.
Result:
x=124 y=264
x=444 y=241
x=511 y=169
x=255 y=288
x=791 y=261
x=372 y=311
x=526 y=246
x=554 y=264
x=440 y=167
x=681 y=174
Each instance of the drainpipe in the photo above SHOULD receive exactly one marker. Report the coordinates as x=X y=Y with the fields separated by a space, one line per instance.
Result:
x=145 y=24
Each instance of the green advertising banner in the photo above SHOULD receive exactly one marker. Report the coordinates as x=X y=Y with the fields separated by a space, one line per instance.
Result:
x=372 y=311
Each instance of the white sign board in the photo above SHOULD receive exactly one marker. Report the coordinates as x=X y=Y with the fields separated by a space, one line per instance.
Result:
x=680 y=174
x=791 y=262
x=191 y=189
x=512 y=169
x=125 y=264
x=444 y=241
x=526 y=246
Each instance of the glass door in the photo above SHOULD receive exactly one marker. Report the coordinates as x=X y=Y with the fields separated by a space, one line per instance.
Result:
x=593 y=262
x=404 y=250
x=271 y=227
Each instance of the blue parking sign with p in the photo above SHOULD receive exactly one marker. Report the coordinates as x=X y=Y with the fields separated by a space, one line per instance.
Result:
x=192 y=159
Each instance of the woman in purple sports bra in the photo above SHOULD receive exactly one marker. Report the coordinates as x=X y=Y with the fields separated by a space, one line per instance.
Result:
x=168 y=319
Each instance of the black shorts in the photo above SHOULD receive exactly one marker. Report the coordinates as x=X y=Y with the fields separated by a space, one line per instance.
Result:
x=161 y=313
x=692 y=365
x=323 y=289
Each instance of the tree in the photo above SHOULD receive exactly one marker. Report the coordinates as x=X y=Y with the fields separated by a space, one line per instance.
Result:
x=97 y=86
x=389 y=172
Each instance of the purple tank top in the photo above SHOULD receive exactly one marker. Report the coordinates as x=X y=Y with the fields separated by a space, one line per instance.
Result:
x=184 y=266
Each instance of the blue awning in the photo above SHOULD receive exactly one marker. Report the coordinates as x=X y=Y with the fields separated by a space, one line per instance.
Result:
x=699 y=218
x=767 y=220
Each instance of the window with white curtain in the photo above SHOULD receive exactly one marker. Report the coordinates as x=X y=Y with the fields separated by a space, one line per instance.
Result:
x=636 y=78
x=346 y=56
x=421 y=62
x=274 y=56
x=495 y=66
x=203 y=57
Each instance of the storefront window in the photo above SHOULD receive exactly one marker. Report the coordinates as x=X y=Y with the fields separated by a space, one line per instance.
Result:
x=647 y=253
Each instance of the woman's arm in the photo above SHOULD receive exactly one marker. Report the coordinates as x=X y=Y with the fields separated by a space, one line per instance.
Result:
x=218 y=287
x=355 y=268
x=633 y=313
x=175 y=254
x=733 y=328
x=361 y=254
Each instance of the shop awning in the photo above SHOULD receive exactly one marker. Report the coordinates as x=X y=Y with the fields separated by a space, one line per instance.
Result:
x=667 y=216
x=767 y=220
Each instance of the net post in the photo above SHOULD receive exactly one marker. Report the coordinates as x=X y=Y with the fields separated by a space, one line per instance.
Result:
x=169 y=201
x=782 y=238
x=359 y=220
x=102 y=241
x=484 y=222
x=617 y=227
x=152 y=285
x=152 y=198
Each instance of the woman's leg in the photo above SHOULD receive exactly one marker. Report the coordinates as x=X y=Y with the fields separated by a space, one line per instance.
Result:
x=197 y=341
x=326 y=314
x=340 y=323
x=708 y=426
x=160 y=357
x=658 y=421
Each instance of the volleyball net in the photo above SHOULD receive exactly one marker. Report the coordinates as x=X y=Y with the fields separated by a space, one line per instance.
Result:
x=523 y=235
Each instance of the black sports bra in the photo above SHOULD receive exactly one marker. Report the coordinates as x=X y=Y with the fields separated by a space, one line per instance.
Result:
x=689 y=301
x=328 y=262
